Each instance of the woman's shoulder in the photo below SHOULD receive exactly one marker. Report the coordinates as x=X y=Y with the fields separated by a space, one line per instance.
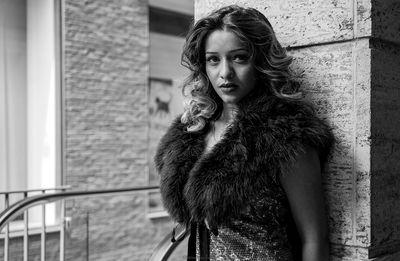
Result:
x=271 y=107
x=297 y=123
x=282 y=107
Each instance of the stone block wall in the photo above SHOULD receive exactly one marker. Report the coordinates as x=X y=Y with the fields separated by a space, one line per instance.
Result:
x=336 y=78
x=106 y=128
x=306 y=21
x=346 y=55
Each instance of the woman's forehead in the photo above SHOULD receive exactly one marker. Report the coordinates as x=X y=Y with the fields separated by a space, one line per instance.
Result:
x=223 y=40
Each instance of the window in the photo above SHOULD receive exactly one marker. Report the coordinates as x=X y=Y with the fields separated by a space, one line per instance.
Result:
x=29 y=95
x=169 y=22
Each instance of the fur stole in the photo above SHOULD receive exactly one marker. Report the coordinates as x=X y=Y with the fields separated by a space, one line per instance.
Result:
x=264 y=140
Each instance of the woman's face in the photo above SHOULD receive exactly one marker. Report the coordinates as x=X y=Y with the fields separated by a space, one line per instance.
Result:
x=229 y=66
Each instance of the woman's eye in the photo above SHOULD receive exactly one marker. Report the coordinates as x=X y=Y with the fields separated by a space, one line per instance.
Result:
x=212 y=59
x=241 y=58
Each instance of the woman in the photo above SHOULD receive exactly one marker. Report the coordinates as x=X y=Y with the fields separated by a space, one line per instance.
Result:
x=244 y=159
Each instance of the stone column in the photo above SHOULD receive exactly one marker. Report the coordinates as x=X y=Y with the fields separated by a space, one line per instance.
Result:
x=347 y=57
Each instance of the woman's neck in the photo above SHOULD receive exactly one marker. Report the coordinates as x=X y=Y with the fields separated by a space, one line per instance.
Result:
x=228 y=113
x=219 y=126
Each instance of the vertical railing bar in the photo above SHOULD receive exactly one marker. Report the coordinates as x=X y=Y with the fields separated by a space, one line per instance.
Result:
x=43 y=232
x=26 y=231
x=62 y=230
x=7 y=235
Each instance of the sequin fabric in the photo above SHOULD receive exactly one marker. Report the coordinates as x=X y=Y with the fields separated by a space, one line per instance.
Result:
x=261 y=233
x=231 y=245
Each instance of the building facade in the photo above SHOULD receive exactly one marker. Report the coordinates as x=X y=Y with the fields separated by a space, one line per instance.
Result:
x=107 y=55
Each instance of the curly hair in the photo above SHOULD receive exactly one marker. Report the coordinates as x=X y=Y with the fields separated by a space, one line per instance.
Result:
x=269 y=60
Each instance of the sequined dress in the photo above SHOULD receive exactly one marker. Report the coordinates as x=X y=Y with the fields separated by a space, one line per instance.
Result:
x=264 y=232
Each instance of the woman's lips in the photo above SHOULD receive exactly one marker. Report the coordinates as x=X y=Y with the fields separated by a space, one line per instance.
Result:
x=228 y=87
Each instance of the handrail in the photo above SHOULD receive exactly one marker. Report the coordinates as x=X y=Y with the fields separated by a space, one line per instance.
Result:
x=18 y=207
x=34 y=190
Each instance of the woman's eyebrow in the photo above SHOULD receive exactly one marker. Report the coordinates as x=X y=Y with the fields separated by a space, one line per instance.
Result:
x=238 y=50
x=230 y=51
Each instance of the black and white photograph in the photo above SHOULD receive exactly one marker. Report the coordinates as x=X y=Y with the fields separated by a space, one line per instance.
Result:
x=195 y=130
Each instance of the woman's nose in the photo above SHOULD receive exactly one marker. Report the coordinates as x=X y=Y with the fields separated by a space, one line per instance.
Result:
x=226 y=71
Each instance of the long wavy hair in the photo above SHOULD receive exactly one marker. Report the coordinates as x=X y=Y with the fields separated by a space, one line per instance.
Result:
x=269 y=59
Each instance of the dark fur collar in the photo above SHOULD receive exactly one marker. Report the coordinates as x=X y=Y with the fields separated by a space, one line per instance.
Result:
x=267 y=136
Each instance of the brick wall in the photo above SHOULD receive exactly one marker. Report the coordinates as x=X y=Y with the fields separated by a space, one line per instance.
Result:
x=106 y=125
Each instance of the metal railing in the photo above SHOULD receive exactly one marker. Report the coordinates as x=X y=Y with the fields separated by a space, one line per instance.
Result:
x=23 y=205
x=25 y=194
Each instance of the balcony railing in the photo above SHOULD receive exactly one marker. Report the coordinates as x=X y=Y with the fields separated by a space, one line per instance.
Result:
x=163 y=250
x=25 y=194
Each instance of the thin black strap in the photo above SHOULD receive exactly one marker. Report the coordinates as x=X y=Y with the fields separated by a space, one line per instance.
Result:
x=204 y=238
x=204 y=242
x=191 y=255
